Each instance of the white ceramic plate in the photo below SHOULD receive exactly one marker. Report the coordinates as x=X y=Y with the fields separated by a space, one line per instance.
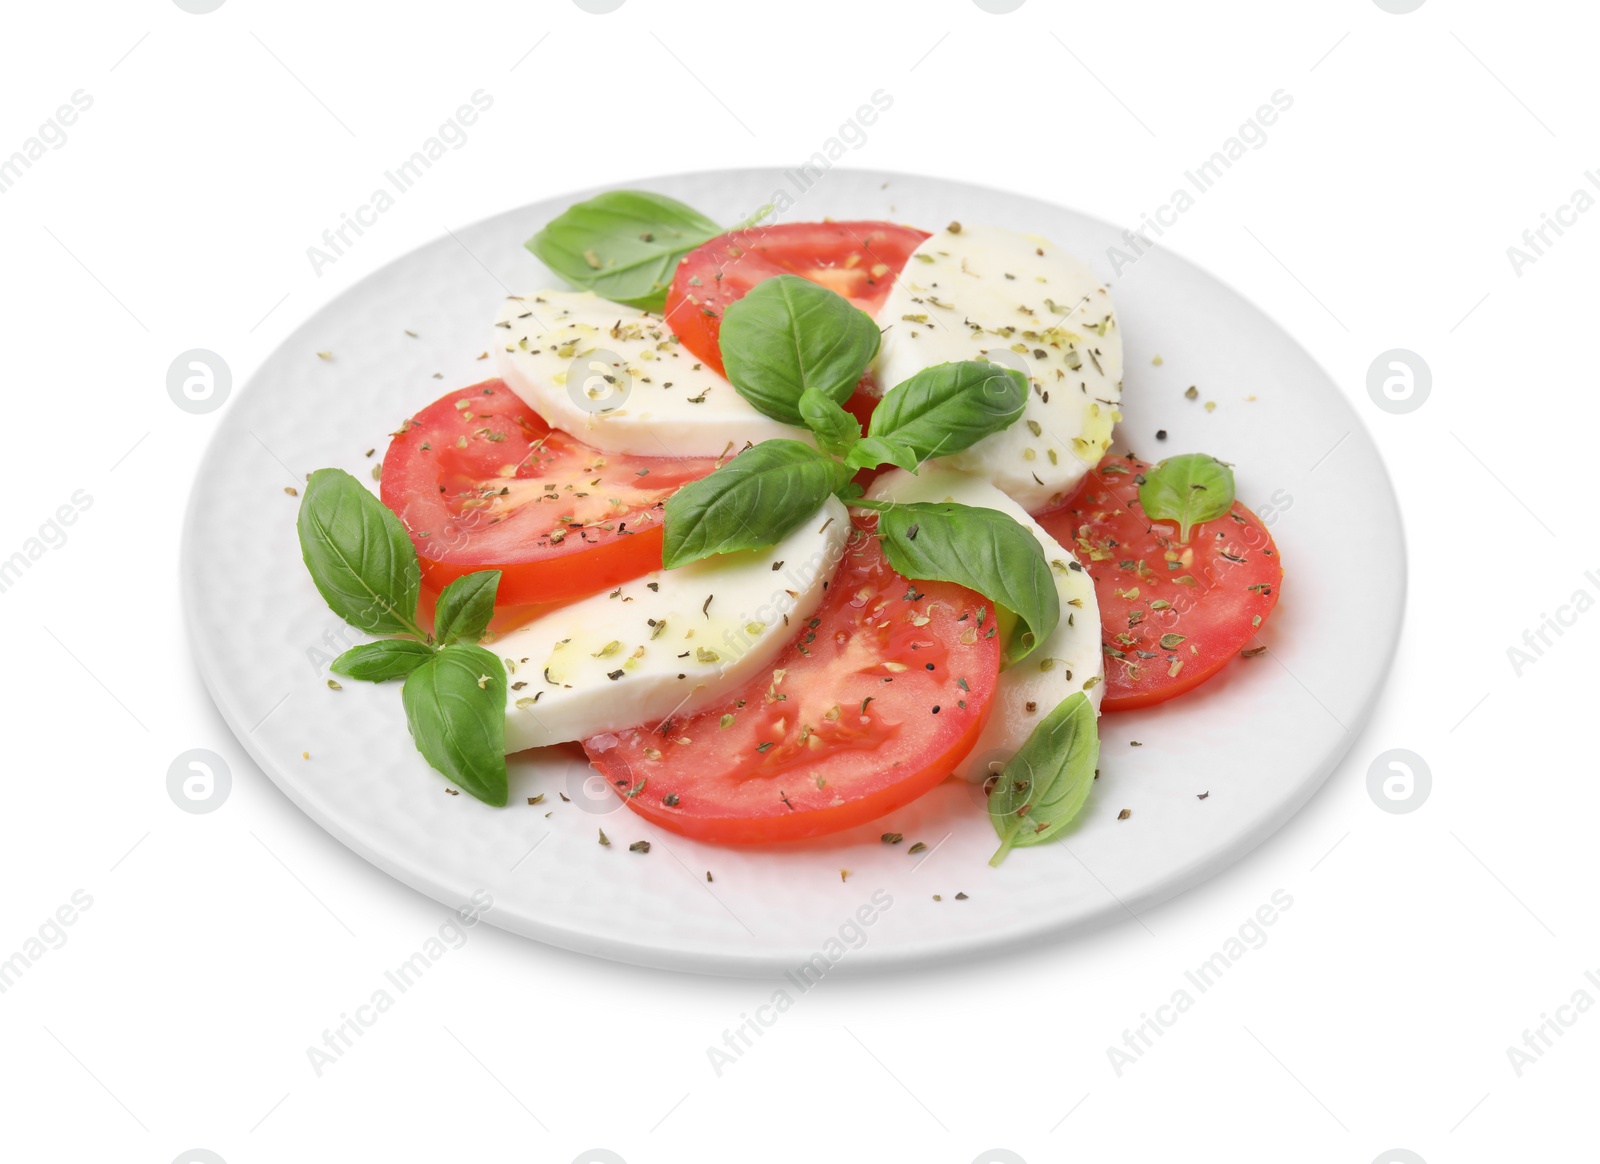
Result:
x=1259 y=739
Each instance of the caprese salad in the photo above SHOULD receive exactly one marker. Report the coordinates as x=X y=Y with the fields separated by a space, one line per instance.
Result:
x=786 y=524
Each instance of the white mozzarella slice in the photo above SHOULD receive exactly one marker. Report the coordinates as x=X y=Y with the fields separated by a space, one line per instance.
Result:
x=984 y=292
x=1069 y=660
x=617 y=378
x=669 y=641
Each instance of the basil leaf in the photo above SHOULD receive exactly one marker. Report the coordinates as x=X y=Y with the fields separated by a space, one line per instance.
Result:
x=1188 y=489
x=382 y=660
x=950 y=407
x=623 y=244
x=456 y=710
x=754 y=500
x=870 y=452
x=465 y=608
x=836 y=430
x=359 y=555
x=790 y=334
x=982 y=549
x=1043 y=787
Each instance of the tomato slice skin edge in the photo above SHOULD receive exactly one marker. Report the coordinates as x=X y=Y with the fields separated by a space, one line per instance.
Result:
x=736 y=830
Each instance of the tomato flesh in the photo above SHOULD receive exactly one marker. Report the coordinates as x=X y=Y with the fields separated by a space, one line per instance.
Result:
x=858 y=260
x=1171 y=614
x=481 y=482
x=882 y=692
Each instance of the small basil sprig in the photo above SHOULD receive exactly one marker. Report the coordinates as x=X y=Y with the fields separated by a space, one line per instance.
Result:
x=796 y=350
x=1044 y=786
x=624 y=244
x=788 y=335
x=941 y=410
x=982 y=549
x=754 y=500
x=363 y=564
x=1190 y=489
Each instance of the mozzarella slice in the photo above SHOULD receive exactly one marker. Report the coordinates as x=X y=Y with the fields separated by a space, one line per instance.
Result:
x=617 y=378
x=989 y=293
x=669 y=641
x=1069 y=660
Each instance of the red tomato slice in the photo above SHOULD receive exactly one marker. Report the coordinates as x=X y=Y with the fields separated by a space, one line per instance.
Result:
x=1171 y=615
x=859 y=260
x=481 y=482
x=882 y=693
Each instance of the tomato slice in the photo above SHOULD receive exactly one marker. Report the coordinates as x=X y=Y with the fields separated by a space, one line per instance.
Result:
x=1171 y=615
x=859 y=260
x=881 y=694
x=481 y=482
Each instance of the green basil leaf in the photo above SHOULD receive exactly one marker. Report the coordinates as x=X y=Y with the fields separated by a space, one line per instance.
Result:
x=950 y=407
x=1189 y=489
x=982 y=549
x=456 y=710
x=382 y=660
x=789 y=334
x=1043 y=787
x=465 y=608
x=754 y=500
x=870 y=452
x=623 y=244
x=359 y=555
x=836 y=430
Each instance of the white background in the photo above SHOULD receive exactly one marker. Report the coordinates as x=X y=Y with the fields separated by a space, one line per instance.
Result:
x=1419 y=947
